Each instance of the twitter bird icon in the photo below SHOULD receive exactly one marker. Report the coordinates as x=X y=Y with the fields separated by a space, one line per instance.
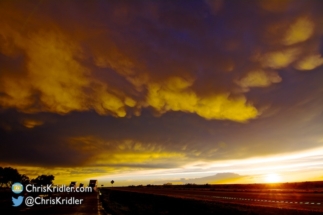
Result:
x=17 y=201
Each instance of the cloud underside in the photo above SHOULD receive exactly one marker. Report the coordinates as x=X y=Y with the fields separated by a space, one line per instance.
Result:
x=121 y=87
x=57 y=82
x=53 y=67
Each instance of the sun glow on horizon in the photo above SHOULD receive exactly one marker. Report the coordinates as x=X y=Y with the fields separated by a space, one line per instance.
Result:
x=272 y=178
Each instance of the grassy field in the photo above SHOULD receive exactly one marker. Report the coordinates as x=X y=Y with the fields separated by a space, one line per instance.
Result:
x=117 y=202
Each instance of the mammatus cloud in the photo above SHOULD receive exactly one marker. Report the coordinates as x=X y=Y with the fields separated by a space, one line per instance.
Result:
x=275 y=5
x=175 y=94
x=55 y=81
x=309 y=62
x=259 y=78
x=300 y=31
x=72 y=78
x=31 y=123
x=52 y=79
x=61 y=67
x=280 y=59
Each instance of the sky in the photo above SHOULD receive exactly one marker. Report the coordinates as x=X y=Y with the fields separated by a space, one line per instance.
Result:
x=153 y=92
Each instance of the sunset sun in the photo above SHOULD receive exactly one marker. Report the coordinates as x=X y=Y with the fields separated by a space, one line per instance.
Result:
x=272 y=178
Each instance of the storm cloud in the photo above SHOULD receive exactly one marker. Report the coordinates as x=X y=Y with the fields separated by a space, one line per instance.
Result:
x=120 y=86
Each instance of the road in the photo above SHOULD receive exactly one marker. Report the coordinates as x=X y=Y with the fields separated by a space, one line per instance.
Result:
x=300 y=201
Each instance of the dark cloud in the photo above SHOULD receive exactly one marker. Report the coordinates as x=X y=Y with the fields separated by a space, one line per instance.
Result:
x=158 y=84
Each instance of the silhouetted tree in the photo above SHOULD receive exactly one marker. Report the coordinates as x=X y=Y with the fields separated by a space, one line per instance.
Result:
x=43 y=180
x=112 y=182
x=1 y=176
x=9 y=175
x=24 y=179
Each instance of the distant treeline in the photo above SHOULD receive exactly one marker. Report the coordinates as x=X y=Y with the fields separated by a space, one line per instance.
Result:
x=294 y=185
x=9 y=175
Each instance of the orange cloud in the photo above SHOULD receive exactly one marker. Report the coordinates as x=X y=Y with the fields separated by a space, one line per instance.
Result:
x=124 y=152
x=280 y=59
x=55 y=77
x=309 y=62
x=300 y=31
x=274 y=5
x=31 y=123
x=175 y=94
x=259 y=78
x=65 y=67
